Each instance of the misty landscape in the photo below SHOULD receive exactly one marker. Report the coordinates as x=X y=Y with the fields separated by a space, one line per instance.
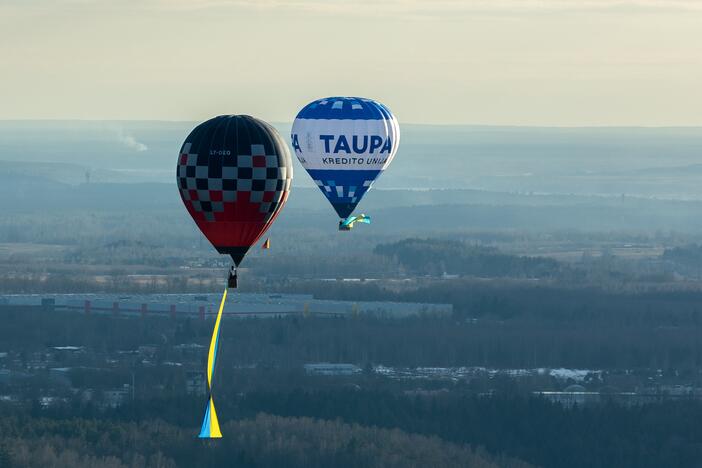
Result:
x=533 y=297
x=350 y=234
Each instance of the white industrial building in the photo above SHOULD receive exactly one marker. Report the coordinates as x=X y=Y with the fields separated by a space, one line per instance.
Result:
x=205 y=305
x=327 y=368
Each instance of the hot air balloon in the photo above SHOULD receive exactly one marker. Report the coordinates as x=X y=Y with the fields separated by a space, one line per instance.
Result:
x=345 y=143
x=234 y=174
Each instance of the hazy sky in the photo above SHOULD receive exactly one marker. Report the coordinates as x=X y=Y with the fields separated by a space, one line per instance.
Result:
x=521 y=62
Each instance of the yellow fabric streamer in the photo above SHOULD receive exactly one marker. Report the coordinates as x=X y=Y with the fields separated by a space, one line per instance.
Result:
x=210 y=424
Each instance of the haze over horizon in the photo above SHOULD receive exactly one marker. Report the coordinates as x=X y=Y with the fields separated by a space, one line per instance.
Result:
x=529 y=63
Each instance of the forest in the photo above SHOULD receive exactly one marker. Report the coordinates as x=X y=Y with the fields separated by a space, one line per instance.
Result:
x=478 y=407
x=262 y=441
x=352 y=428
x=538 y=315
x=434 y=257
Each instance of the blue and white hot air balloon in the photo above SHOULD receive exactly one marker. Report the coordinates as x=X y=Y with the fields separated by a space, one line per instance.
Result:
x=345 y=143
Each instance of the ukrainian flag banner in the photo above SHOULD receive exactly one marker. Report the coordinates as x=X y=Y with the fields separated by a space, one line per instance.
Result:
x=210 y=424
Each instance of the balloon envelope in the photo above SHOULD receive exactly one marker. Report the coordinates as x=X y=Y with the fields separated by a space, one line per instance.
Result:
x=234 y=174
x=345 y=143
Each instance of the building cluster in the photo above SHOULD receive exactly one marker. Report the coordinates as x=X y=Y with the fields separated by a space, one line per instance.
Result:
x=61 y=374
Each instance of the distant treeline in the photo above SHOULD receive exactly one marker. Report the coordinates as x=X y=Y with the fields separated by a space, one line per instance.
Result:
x=686 y=258
x=110 y=268
x=435 y=257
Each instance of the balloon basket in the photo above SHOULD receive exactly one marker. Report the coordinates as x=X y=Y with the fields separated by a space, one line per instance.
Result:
x=232 y=280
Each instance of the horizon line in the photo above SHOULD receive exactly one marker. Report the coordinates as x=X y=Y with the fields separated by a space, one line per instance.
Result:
x=424 y=124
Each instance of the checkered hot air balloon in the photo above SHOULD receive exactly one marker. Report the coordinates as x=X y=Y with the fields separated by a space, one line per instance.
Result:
x=234 y=174
x=345 y=143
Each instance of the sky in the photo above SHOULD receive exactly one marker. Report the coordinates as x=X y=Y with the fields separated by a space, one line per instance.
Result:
x=481 y=62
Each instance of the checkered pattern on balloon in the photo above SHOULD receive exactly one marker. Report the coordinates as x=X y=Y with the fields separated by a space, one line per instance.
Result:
x=232 y=187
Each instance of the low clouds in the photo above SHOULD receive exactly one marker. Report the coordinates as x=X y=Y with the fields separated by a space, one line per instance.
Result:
x=130 y=142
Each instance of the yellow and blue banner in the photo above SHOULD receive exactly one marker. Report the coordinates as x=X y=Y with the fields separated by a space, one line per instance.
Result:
x=347 y=224
x=210 y=424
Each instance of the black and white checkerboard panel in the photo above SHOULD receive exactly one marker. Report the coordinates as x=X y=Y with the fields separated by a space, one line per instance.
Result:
x=206 y=185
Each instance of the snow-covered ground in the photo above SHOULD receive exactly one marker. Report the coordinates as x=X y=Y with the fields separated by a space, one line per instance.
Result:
x=460 y=373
